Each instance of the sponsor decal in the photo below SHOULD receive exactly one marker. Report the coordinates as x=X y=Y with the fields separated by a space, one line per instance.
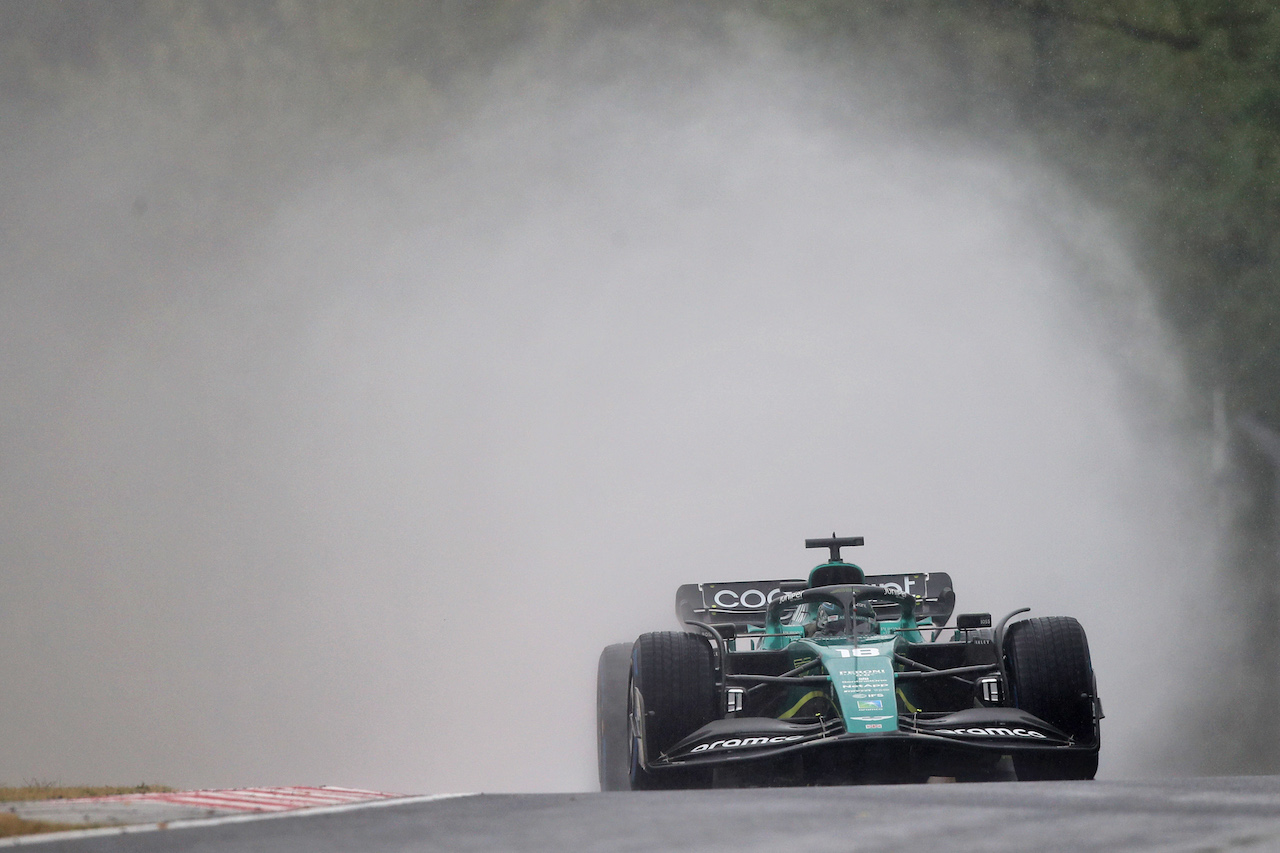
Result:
x=915 y=585
x=740 y=742
x=875 y=725
x=872 y=719
x=870 y=705
x=752 y=599
x=992 y=732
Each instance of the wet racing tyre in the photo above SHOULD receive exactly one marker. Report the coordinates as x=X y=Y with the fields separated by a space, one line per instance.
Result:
x=673 y=693
x=1051 y=676
x=613 y=732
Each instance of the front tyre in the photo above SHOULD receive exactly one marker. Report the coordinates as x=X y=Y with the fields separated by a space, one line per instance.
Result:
x=613 y=732
x=673 y=694
x=1051 y=676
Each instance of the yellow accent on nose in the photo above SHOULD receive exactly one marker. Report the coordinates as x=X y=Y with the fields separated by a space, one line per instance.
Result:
x=791 y=712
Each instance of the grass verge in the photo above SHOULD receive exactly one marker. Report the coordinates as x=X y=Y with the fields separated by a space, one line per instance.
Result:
x=11 y=824
x=50 y=791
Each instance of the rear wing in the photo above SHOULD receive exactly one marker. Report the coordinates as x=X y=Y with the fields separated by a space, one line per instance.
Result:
x=745 y=602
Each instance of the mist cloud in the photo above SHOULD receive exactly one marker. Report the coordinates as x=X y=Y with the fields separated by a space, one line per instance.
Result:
x=337 y=459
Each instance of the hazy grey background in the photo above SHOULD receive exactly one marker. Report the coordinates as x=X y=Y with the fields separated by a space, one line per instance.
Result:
x=333 y=452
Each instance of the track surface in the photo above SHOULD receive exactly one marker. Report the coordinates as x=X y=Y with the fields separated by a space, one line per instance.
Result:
x=1235 y=814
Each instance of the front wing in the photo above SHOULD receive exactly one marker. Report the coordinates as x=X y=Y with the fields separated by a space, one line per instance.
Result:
x=999 y=731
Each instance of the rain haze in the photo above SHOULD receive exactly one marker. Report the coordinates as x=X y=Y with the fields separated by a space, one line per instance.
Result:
x=335 y=454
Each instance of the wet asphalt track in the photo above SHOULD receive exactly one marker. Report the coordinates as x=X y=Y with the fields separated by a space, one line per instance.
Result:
x=1236 y=814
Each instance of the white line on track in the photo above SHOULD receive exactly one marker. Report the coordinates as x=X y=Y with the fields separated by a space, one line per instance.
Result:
x=196 y=823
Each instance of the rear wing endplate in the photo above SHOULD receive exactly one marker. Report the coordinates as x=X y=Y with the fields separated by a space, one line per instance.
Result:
x=746 y=602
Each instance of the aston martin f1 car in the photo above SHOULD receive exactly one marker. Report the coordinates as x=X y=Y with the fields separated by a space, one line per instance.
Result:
x=844 y=678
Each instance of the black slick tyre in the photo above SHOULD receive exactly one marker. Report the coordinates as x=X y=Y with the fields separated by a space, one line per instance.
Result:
x=613 y=733
x=1051 y=676
x=673 y=693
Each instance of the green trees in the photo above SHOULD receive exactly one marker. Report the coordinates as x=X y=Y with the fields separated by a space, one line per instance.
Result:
x=1166 y=111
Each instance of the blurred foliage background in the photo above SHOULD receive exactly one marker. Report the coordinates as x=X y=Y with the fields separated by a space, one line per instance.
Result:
x=1164 y=111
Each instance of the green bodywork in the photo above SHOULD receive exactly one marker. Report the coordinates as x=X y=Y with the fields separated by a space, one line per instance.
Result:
x=862 y=681
x=861 y=666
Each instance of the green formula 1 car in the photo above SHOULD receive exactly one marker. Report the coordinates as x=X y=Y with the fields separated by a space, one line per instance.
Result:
x=844 y=678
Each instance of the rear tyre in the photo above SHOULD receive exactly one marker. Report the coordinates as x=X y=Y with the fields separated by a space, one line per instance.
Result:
x=613 y=733
x=673 y=694
x=1051 y=676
